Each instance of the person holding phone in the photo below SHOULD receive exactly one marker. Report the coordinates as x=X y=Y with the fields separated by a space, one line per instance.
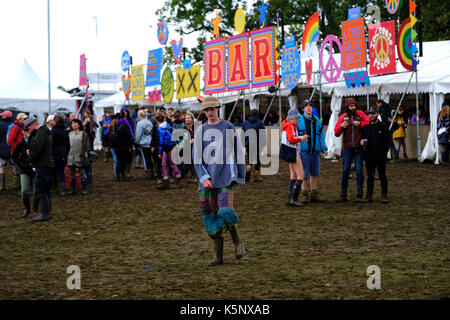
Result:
x=375 y=139
x=350 y=124
x=309 y=151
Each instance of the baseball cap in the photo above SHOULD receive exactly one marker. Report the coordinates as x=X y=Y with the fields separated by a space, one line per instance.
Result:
x=50 y=118
x=373 y=109
x=6 y=114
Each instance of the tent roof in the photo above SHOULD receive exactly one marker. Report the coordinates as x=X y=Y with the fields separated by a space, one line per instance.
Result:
x=29 y=86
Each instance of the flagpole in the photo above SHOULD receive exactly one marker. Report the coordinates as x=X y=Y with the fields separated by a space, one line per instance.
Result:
x=48 y=37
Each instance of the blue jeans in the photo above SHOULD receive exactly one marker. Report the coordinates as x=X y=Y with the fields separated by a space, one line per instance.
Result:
x=113 y=153
x=349 y=154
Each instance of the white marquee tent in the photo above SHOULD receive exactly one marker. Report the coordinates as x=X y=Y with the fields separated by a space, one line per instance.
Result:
x=30 y=94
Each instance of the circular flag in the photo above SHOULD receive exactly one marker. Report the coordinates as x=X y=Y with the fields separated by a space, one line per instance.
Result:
x=239 y=20
x=167 y=88
x=162 y=33
x=393 y=6
x=404 y=45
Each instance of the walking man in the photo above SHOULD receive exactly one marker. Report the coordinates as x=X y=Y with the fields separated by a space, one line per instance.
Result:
x=350 y=124
x=41 y=158
x=375 y=139
x=311 y=125
x=219 y=162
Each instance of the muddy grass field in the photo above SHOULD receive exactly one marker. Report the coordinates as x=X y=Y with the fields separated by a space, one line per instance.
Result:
x=132 y=241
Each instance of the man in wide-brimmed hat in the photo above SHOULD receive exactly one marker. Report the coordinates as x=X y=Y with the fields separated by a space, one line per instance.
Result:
x=219 y=161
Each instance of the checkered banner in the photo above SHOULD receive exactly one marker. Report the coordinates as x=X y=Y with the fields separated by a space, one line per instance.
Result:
x=154 y=96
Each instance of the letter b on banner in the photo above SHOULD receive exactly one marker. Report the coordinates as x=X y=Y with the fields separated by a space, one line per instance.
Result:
x=74 y=281
x=374 y=280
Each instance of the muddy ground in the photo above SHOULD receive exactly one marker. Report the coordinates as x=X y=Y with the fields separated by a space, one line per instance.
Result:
x=132 y=241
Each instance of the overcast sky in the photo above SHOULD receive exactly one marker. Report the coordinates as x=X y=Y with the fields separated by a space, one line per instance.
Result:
x=122 y=25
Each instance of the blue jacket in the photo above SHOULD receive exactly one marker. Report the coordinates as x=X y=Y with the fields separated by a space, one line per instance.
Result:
x=313 y=128
x=253 y=122
x=104 y=123
x=165 y=137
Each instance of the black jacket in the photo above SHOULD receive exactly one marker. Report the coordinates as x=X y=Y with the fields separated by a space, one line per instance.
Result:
x=41 y=152
x=122 y=140
x=5 y=151
x=60 y=143
x=21 y=159
x=377 y=136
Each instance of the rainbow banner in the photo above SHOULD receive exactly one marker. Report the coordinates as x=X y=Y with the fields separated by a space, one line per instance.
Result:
x=405 y=48
x=311 y=33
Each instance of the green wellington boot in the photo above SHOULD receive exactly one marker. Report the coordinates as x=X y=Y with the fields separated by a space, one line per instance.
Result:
x=239 y=248
x=218 y=251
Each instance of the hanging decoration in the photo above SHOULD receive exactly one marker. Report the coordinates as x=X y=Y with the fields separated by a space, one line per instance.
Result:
x=262 y=14
x=83 y=76
x=214 y=66
x=154 y=96
x=263 y=57
x=310 y=34
x=290 y=64
x=382 y=48
x=356 y=79
x=154 y=67
x=405 y=47
x=394 y=6
x=216 y=21
x=162 y=33
x=137 y=83
x=353 y=44
x=238 y=65
x=188 y=82
x=126 y=85
x=332 y=69
x=177 y=49
x=309 y=68
x=167 y=87
x=239 y=20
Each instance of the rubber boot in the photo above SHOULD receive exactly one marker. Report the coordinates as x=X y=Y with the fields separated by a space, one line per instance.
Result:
x=26 y=203
x=35 y=207
x=164 y=185
x=84 y=186
x=218 y=251
x=295 y=194
x=16 y=181
x=289 y=191
x=150 y=174
x=61 y=189
x=106 y=156
x=315 y=196
x=248 y=171
x=384 y=198
x=239 y=248
x=127 y=170
x=73 y=184
x=178 y=183
x=305 y=197
x=258 y=176
x=44 y=206
x=2 y=182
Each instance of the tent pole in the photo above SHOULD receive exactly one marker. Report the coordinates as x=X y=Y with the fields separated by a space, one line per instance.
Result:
x=270 y=104
x=419 y=151
x=48 y=37
x=234 y=107
x=401 y=100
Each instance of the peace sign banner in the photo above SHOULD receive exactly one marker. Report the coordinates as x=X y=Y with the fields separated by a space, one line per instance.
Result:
x=382 y=48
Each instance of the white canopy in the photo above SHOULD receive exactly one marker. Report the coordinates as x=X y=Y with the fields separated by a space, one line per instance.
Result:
x=30 y=94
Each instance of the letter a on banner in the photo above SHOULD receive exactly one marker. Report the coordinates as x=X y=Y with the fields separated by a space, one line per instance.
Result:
x=214 y=66
x=263 y=57
x=238 y=76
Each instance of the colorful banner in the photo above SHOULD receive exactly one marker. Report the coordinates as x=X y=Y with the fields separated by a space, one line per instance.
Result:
x=83 y=77
x=263 y=57
x=154 y=96
x=382 y=48
x=238 y=77
x=332 y=69
x=214 y=66
x=310 y=34
x=188 y=82
x=137 y=83
x=126 y=85
x=353 y=44
x=405 y=47
x=290 y=64
x=154 y=67
x=167 y=87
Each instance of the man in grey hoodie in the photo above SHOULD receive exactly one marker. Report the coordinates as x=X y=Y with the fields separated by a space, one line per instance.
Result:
x=143 y=139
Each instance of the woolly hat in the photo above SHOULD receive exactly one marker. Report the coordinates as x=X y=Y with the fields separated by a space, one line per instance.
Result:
x=292 y=114
x=29 y=121
x=349 y=101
